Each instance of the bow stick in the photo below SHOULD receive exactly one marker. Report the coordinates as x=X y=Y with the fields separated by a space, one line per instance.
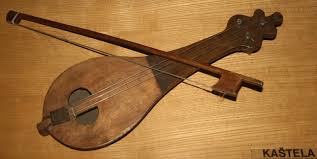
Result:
x=229 y=82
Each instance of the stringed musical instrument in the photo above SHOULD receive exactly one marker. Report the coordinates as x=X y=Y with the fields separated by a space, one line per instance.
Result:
x=96 y=102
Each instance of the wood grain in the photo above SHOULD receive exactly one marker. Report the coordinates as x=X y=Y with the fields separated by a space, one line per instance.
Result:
x=187 y=123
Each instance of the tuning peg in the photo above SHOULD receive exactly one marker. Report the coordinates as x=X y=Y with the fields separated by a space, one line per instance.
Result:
x=277 y=18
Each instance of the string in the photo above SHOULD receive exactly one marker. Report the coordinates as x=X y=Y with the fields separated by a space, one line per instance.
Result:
x=150 y=67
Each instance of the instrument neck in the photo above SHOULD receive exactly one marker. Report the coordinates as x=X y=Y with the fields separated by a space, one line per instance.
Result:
x=214 y=47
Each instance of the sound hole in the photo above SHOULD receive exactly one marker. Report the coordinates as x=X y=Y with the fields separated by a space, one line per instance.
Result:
x=89 y=116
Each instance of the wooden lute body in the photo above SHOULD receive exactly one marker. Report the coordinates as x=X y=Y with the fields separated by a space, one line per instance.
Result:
x=120 y=94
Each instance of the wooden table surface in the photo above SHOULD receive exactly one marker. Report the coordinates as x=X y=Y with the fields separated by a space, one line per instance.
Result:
x=187 y=122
